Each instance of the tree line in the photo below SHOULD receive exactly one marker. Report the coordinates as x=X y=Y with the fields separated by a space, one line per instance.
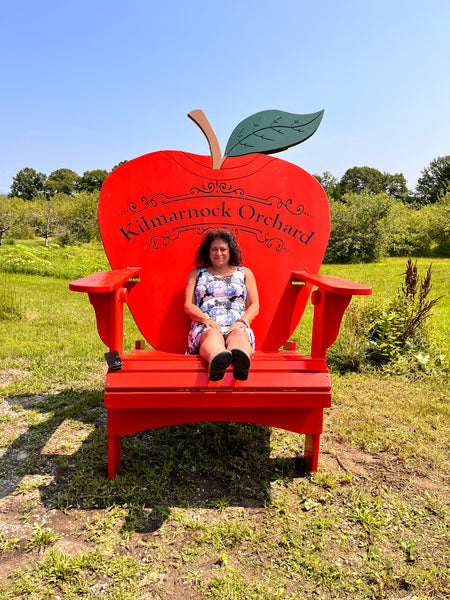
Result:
x=433 y=183
x=373 y=214
x=29 y=184
x=62 y=205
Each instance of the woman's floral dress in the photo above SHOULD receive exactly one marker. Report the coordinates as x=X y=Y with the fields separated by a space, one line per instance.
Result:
x=223 y=299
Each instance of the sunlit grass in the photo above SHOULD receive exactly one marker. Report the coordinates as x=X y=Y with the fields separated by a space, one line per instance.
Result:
x=215 y=510
x=68 y=262
x=56 y=342
x=386 y=278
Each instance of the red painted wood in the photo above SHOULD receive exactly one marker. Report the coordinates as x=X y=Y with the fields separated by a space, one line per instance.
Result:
x=336 y=285
x=173 y=380
x=109 y=314
x=104 y=281
x=260 y=360
x=128 y=421
x=153 y=212
x=191 y=399
x=108 y=290
x=328 y=312
x=114 y=454
x=154 y=209
x=197 y=364
x=311 y=451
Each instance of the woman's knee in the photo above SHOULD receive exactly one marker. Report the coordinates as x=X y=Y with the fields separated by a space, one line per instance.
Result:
x=238 y=336
x=211 y=334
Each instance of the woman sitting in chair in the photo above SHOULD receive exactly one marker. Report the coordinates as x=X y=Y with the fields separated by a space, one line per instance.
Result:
x=221 y=298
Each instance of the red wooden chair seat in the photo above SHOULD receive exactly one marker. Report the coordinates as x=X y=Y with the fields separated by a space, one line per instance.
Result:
x=157 y=389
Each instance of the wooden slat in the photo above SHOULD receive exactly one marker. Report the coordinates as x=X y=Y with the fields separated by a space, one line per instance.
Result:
x=188 y=401
x=257 y=356
x=283 y=360
x=126 y=421
x=329 y=283
x=192 y=380
x=172 y=366
x=104 y=281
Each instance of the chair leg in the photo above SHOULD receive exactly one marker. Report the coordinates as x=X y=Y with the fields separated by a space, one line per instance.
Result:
x=311 y=451
x=114 y=454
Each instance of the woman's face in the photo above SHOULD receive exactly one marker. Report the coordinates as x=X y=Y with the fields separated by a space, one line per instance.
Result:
x=219 y=254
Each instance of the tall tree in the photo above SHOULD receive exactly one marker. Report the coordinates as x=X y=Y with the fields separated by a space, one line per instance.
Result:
x=357 y=179
x=434 y=180
x=11 y=214
x=48 y=215
x=395 y=186
x=122 y=162
x=27 y=184
x=328 y=181
x=62 y=181
x=80 y=221
x=92 y=181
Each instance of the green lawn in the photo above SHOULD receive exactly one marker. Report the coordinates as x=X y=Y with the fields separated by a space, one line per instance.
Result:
x=386 y=277
x=220 y=511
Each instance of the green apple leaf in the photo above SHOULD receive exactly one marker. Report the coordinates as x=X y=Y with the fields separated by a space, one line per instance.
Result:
x=271 y=131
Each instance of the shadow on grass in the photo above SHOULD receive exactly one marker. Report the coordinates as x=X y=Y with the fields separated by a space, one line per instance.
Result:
x=210 y=465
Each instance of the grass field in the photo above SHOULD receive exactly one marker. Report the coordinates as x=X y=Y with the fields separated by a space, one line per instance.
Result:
x=216 y=510
x=386 y=277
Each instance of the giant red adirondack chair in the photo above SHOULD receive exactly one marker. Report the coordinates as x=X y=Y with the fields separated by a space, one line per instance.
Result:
x=153 y=212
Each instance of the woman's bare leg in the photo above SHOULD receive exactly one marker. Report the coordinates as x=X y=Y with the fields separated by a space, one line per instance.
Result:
x=211 y=343
x=239 y=339
x=241 y=350
x=213 y=350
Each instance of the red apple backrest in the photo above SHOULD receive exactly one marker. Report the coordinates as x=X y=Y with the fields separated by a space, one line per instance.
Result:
x=154 y=210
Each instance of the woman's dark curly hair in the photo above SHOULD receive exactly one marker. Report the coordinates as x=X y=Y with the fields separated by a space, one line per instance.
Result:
x=202 y=257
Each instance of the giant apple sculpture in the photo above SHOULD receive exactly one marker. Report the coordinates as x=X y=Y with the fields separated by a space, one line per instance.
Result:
x=154 y=209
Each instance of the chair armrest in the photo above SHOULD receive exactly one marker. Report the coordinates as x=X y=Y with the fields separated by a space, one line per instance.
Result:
x=104 y=281
x=108 y=291
x=334 y=285
x=330 y=301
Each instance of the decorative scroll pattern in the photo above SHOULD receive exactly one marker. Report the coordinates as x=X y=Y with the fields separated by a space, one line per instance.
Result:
x=299 y=210
x=214 y=189
x=218 y=187
x=162 y=239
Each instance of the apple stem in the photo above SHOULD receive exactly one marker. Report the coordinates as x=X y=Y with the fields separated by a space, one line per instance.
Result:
x=200 y=119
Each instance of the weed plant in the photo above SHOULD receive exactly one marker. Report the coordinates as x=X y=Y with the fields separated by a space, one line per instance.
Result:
x=402 y=327
x=395 y=337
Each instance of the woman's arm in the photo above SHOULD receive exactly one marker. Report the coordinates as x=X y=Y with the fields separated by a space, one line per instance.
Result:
x=190 y=308
x=252 y=297
x=252 y=301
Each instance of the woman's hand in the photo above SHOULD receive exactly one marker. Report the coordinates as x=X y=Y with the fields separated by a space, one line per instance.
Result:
x=237 y=325
x=211 y=323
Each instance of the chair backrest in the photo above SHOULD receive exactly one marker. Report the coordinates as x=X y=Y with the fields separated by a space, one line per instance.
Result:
x=154 y=210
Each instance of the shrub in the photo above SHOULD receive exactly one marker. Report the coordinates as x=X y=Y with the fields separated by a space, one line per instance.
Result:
x=421 y=232
x=394 y=338
x=438 y=215
x=26 y=260
x=80 y=223
x=357 y=228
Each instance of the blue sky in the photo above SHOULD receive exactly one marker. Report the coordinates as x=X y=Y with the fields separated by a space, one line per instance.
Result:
x=87 y=84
